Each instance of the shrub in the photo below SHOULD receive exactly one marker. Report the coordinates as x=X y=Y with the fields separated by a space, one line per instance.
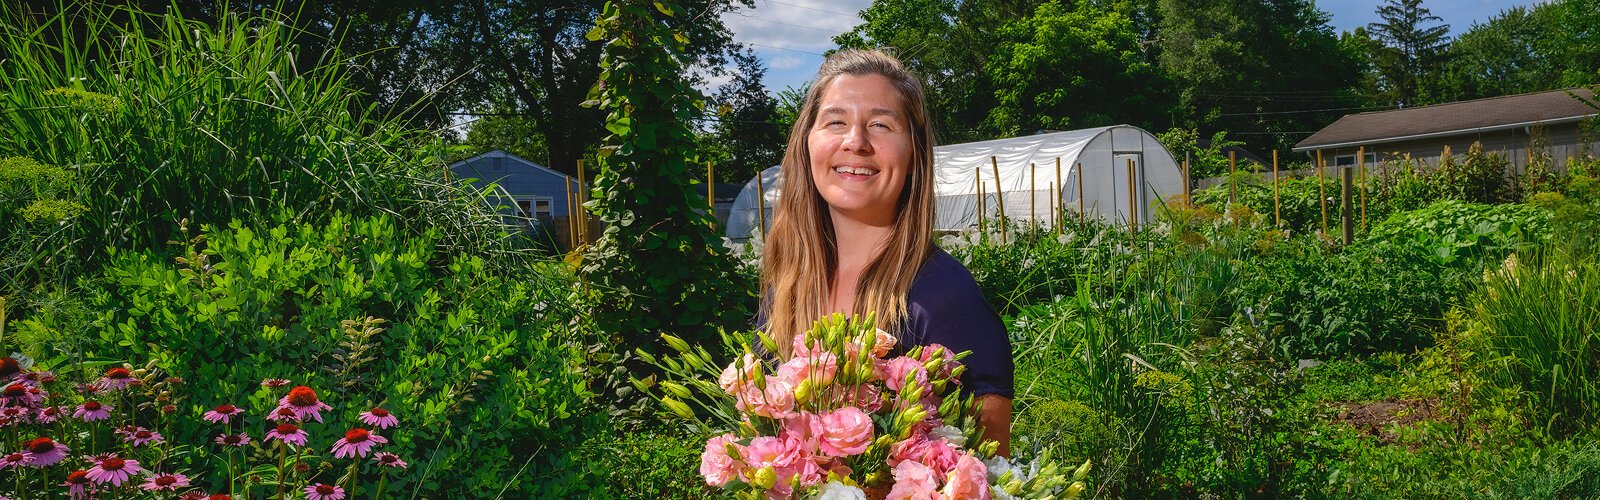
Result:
x=477 y=360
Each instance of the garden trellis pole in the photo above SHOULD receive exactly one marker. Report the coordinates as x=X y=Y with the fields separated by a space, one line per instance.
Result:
x=1079 y=171
x=1054 y=221
x=1277 y=207
x=1033 y=170
x=999 y=197
x=761 y=207
x=1322 y=193
x=1059 y=208
x=977 y=183
x=583 y=219
x=572 y=234
x=1186 y=199
x=711 y=195
x=1132 y=203
x=1232 y=169
x=1346 y=211
x=1361 y=163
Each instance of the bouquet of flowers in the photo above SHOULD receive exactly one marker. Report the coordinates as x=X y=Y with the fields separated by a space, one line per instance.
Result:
x=839 y=418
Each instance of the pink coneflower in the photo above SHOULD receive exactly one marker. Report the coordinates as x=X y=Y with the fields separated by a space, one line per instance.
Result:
x=283 y=413
x=379 y=417
x=116 y=379
x=356 y=443
x=387 y=459
x=45 y=451
x=139 y=436
x=36 y=378
x=274 y=382
x=169 y=482
x=235 y=440
x=220 y=496
x=194 y=495
x=77 y=484
x=288 y=433
x=304 y=402
x=9 y=368
x=222 y=414
x=15 y=415
x=91 y=411
x=15 y=459
x=321 y=491
x=18 y=394
x=47 y=415
x=114 y=470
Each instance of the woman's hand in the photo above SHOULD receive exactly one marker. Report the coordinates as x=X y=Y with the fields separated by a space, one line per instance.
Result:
x=994 y=414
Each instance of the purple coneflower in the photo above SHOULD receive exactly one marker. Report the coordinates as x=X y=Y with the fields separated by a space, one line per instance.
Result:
x=195 y=495
x=47 y=415
x=379 y=417
x=9 y=368
x=220 y=496
x=169 y=482
x=139 y=436
x=234 y=440
x=304 y=402
x=15 y=415
x=356 y=443
x=283 y=413
x=222 y=414
x=114 y=470
x=91 y=411
x=288 y=433
x=44 y=451
x=77 y=484
x=387 y=459
x=274 y=382
x=36 y=378
x=17 y=394
x=15 y=459
x=116 y=379
x=321 y=491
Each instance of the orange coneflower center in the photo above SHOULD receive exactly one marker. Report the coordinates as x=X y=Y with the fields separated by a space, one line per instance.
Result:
x=91 y=405
x=50 y=412
x=231 y=439
x=41 y=446
x=165 y=480
x=78 y=477
x=220 y=496
x=302 y=396
x=287 y=429
x=142 y=434
x=225 y=409
x=388 y=459
x=15 y=390
x=16 y=457
x=380 y=412
x=112 y=464
x=355 y=436
x=118 y=373
x=324 y=489
x=9 y=366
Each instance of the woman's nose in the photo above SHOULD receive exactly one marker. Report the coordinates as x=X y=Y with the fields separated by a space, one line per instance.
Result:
x=856 y=140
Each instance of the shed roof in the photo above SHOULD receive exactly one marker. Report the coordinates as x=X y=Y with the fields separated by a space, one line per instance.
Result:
x=1478 y=115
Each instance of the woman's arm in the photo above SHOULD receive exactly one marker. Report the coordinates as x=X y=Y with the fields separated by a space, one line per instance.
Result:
x=994 y=414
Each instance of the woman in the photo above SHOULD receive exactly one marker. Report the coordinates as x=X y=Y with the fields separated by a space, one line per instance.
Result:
x=853 y=231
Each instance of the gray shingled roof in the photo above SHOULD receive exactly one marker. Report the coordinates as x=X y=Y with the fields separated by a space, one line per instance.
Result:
x=1478 y=115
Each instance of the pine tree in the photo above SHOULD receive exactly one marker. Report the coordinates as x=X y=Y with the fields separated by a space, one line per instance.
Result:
x=747 y=123
x=1411 y=52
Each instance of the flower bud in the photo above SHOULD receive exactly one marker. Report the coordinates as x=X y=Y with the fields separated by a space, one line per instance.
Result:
x=1082 y=472
x=676 y=389
x=676 y=343
x=1073 y=491
x=677 y=407
x=804 y=391
x=764 y=478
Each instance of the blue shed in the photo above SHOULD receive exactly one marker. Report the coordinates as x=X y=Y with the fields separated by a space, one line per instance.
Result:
x=538 y=193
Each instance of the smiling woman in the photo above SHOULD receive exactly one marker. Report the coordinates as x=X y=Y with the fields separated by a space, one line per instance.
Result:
x=855 y=235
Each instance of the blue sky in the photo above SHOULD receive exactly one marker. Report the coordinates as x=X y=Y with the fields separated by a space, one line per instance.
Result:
x=791 y=35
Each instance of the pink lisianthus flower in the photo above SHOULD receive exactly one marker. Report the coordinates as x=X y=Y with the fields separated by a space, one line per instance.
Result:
x=738 y=374
x=114 y=470
x=930 y=451
x=91 y=411
x=885 y=343
x=767 y=451
x=43 y=451
x=845 y=432
x=914 y=481
x=386 y=459
x=968 y=479
x=356 y=442
x=303 y=401
x=895 y=372
x=288 y=433
x=805 y=428
x=321 y=491
x=777 y=401
x=948 y=360
x=819 y=368
x=865 y=396
x=717 y=466
x=222 y=414
x=168 y=482
x=380 y=418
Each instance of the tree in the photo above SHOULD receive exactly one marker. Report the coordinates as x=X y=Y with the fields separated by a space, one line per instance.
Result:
x=1495 y=58
x=747 y=126
x=1412 y=52
x=513 y=134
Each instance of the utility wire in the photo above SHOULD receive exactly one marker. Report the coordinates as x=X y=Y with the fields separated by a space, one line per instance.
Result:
x=812 y=8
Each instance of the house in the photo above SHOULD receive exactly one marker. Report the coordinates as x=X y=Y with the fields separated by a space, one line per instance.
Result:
x=537 y=196
x=1515 y=126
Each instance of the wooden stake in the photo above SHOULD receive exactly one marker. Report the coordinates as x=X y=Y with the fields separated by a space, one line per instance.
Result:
x=1232 y=168
x=572 y=235
x=999 y=197
x=1079 y=171
x=1054 y=220
x=711 y=193
x=983 y=199
x=583 y=216
x=1346 y=211
x=1186 y=199
x=1133 y=210
x=1277 y=207
x=1033 y=170
x=1059 y=208
x=1361 y=163
x=1322 y=192
x=761 y=206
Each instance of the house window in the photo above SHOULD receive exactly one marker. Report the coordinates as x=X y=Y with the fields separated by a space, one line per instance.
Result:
x=1349 y=160
x=534 y=207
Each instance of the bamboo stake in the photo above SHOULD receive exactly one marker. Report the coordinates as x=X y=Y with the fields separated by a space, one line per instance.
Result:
x=711 y=194
x=1232 y=169
x=572 y=235
x=1361 y=164
x=983 y=199
x=1322 y=192
x=1079 y=171
x=1059 y=208
x=1277 y=207
x=1186 y=179
x=1033 y=171
x=1054 y=220
x=583 y=216
x=999 y=197
x=1346 y=211
x=761 y=207
x=977 y=186
x=1133 y=215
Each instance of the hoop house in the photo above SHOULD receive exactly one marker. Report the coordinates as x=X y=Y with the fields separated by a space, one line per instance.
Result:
x=1123 y=171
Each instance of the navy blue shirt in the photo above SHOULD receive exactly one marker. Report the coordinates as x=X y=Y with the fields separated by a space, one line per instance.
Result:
x=945 y=307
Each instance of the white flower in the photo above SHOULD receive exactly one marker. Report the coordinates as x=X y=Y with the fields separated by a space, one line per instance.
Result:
x=835 y=490
x=952 y=435
x=539 y=307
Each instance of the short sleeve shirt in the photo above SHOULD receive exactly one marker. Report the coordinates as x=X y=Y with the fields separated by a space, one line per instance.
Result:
x=946 y=307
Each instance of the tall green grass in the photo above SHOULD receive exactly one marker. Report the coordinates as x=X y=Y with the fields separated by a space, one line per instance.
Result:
x=1544 y=317
x=161 y=119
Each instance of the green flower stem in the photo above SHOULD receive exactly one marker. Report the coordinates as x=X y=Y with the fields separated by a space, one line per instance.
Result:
x=352 y=483
x=383 y=480
x=283 y=453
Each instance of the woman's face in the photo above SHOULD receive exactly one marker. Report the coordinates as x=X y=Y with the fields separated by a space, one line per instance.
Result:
x=860 y=148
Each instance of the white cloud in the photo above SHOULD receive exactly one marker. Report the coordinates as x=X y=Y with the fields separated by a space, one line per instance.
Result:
x=790 y=35
x=784 y=62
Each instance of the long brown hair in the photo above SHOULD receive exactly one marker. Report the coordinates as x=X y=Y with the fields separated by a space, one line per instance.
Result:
x=798 y=261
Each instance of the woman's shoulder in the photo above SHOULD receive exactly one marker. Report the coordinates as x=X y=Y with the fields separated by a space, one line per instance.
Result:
x=942 y=276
